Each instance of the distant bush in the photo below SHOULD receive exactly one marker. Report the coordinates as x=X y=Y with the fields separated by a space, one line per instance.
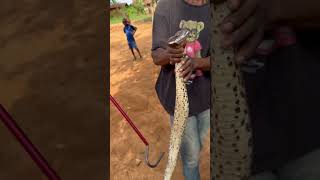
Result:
x=133 y=11
x=139 y=6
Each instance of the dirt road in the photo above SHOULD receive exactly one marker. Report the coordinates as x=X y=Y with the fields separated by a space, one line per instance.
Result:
x=132 y=84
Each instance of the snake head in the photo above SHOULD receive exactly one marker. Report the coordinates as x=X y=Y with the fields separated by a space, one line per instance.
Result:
x=180 y=37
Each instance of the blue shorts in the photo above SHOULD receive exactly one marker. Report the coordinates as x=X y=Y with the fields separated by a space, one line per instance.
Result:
x=132 y=45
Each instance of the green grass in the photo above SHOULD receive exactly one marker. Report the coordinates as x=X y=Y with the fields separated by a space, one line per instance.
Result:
x=133 y=17
x=135 y=12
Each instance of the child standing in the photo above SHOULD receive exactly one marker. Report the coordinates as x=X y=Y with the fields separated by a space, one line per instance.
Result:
x=129 y=30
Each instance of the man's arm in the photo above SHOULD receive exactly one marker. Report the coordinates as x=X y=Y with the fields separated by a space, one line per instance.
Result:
x=160 y=35
x=202 y=63
x=160 y=57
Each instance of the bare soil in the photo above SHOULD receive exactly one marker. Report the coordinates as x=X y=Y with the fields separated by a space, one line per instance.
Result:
x=52 y=81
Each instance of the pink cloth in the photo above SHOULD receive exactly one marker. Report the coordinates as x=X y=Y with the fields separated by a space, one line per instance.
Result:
x=192 y=48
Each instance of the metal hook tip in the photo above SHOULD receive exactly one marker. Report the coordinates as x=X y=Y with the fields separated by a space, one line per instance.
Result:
x=147 y=158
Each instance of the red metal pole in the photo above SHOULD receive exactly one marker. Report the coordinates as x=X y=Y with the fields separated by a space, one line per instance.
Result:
x=128 y=120
x=27 y=145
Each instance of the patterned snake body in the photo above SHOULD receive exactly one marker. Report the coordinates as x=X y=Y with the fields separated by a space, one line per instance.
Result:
x=181 y=111
x=230 y=141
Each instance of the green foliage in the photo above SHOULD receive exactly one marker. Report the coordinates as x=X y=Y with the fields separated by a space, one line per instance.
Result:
x=133 y=12
x=139 y=6
x=118 y=19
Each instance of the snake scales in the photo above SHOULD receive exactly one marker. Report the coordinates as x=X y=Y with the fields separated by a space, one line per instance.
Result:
x=231 y=139
x=181 y=111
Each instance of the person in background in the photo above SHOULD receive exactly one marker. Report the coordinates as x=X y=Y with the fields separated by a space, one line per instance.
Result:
x=130 y=30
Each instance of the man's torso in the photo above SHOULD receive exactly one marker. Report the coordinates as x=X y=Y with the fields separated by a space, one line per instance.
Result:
x=178 y=14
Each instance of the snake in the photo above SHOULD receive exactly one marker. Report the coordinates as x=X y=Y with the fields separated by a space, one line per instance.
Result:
x=181 y=111
x=231 y=134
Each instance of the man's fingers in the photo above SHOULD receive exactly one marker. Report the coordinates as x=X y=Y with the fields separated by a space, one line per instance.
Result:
x=239 y=16
x=184 y=43
x=186 y=72
x=248 y=49
x=176 y=55
x=175 y=50
x=185 y=65
x=186 y=68
x=174 y=60
x=188 y=76
x=240 y=34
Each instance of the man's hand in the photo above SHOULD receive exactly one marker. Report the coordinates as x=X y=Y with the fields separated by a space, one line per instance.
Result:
x=187 y=68
x=192 y=64
x=168 y=55
x=175 y=53
x=245 y=26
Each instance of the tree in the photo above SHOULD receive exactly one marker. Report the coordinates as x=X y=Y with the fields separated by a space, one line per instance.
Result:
x=118 y=10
